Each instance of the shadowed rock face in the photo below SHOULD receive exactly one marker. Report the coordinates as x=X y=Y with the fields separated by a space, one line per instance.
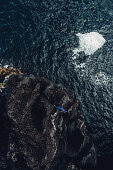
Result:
x=45 y=137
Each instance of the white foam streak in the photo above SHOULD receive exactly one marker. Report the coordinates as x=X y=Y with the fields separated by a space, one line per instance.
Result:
x=101 y=79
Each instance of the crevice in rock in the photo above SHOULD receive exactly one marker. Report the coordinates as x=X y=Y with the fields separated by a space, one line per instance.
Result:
x=38 y=114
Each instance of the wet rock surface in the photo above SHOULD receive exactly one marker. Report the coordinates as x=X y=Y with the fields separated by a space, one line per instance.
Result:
x=39 y=135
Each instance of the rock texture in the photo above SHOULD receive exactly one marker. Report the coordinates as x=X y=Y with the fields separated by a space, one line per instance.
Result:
x=5 y=73
x=41 y=136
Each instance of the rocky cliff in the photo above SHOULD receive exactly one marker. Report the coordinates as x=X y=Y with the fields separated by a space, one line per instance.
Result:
x=39 y=136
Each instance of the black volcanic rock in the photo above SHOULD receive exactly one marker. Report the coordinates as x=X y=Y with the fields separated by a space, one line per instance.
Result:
x=35 y=134
x=45 y=137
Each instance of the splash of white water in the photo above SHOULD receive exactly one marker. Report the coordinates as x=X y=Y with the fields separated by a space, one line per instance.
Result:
x=89 y=43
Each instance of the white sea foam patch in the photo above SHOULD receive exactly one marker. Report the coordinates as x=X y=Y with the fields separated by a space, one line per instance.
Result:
x=6 y=65
x=89 y=42
x=101 y=79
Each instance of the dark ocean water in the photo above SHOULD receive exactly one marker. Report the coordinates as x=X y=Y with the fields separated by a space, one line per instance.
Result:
x=38 y=36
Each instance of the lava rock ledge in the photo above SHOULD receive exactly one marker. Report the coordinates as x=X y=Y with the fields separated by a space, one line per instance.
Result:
x=42 y=137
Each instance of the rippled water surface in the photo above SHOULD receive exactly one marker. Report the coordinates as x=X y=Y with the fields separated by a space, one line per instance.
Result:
x=39 y=36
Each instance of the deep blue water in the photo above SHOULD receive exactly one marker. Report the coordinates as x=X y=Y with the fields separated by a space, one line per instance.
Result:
x=38 y=36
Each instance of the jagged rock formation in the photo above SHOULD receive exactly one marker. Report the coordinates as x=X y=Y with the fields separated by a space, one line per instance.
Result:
x=42 y=136
x=5 y=73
